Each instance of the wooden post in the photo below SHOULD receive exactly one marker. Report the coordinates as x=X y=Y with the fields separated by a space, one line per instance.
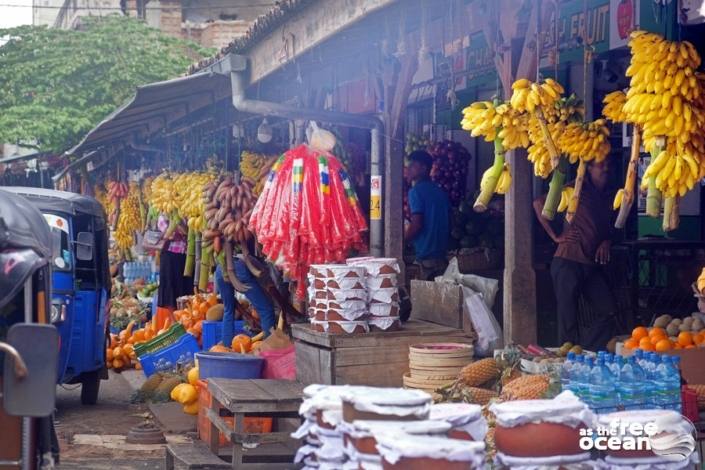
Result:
x=519 y=278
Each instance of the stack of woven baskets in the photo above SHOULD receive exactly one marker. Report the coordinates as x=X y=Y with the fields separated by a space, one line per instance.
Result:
x=435 y=365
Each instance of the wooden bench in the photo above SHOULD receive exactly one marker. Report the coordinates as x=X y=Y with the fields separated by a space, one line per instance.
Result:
x=193 y=456
x=254 y=398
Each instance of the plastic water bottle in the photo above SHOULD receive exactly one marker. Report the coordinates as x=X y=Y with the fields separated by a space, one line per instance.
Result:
x=644 y=395
x=629 y=386
x=674 y=382
x=662 y=381
x=566 y=371
x=602 y=388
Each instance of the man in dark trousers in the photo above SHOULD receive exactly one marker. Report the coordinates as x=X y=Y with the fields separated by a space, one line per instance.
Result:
x=430 y=213
x=576 y=269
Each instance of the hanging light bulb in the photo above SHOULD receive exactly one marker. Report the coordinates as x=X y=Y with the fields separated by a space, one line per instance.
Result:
x=264 y=132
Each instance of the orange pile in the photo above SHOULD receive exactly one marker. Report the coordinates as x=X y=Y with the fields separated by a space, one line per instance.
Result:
x=656 y=339
x=192 y=316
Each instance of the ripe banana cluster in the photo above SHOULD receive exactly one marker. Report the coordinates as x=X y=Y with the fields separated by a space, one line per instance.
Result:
x=614 y=106
x=117 y=191
x=505 y=181
x=566 y=196
x=587 y=141
x=129 y=220
x=163 y=196
x=675 y=173
x=529 y=97
x=228 y=209
x=538 y=151
x=485 y=119
x=189 y=198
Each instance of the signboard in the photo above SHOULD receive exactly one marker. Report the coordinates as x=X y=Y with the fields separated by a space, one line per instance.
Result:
x=577 y=21
x=624 y=18
x=376 y=197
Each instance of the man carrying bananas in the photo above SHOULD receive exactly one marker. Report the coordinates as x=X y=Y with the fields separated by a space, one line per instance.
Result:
x=583 y=250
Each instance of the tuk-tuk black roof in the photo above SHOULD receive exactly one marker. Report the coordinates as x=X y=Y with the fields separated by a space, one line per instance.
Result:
x=22 y=226
x=60 y=201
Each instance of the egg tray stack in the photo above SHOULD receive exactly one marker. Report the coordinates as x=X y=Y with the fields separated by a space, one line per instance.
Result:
x=435 y=365
x=338 y=299
x=383 y=292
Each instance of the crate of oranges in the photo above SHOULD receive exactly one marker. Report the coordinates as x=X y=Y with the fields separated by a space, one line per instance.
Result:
x=668 y=334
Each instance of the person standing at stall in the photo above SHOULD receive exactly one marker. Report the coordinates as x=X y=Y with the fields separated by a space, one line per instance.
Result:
x=254 y=293
x=172 y=260
x=583 y=249
x=430 y=217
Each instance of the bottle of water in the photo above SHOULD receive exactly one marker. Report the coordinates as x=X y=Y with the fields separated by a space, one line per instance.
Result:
x=674 y=382
x=644 y=389
x=602 y=388
x=566 y=371
x=662 y=383
x=630 y=386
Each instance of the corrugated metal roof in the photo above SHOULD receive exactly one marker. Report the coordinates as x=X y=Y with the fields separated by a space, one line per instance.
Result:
x=155 y=106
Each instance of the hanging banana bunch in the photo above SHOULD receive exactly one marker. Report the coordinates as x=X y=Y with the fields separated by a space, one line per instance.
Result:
x=666 y=99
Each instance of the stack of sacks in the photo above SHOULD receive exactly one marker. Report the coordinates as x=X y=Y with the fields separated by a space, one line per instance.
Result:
x=338 y=299
x=381 y=282
x=351 y=427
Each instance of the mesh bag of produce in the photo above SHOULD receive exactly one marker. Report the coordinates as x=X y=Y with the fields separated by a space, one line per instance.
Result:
x=308 y=213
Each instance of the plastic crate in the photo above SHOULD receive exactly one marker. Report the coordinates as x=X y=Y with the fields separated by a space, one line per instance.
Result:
x=689 y=400
x=186 y=345
x=213 y=332
x=165 y=339
x=252 y=425
x=229 y=365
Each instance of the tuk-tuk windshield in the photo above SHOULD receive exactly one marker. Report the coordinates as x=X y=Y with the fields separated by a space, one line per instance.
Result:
x=60 y=245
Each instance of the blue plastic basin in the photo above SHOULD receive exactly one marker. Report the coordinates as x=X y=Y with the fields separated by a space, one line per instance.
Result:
x=229 y=366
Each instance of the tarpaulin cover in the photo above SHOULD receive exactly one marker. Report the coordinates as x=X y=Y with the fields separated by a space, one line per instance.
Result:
x=308 y=213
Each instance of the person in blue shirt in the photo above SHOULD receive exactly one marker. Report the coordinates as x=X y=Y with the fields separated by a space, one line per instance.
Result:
x=430 y=217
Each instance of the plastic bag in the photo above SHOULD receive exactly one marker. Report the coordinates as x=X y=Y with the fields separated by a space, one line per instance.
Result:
x=489 y=333
x=487 y=287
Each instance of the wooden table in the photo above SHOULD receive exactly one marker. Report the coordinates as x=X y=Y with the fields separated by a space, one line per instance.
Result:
x=378 y=359
x=254 y=398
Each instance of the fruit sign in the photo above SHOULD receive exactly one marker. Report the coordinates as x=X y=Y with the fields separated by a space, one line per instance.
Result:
x=376 y=198
x=624 y=18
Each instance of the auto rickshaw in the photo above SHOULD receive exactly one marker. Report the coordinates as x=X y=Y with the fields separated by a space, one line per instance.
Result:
x=80 y=284
x=29 y=344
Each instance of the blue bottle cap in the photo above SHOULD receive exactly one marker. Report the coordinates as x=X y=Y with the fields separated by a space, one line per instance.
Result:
x=638 y=353
x=571 y=356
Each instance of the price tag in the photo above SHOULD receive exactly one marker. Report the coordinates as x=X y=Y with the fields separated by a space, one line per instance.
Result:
x=376 y=197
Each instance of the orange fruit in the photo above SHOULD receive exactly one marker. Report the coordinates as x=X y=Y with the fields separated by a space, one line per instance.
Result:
x=241 y=343
x=640 y=332
x=212 y=300
x=677 y=346
x=685 y=338
x=663 y=345
x=690 y=346
x=631 y=343
x=657 y=332
x=645 y=343
x=647 y=347
x=698 y=338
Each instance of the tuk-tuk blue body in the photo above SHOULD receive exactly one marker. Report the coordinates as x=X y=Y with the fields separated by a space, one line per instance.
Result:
x=80 y=287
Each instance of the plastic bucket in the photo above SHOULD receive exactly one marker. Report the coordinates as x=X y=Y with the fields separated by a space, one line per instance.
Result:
x=229 y=366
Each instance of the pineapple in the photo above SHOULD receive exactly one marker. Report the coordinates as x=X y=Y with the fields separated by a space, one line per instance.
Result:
x=528 y=387
x=479 y=372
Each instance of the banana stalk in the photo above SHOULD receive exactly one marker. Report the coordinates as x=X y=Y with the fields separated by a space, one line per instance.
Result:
x=671 y=215
x=575 y=198
x=555 y=189
x=490 y=184
x=550 y=144
x=197 y=273
x=653 y=195
x=206 y=255
x=190 y=253
x=630 y=181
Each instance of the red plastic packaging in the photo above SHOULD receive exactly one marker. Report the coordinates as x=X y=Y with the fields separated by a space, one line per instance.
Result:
x=307 y=213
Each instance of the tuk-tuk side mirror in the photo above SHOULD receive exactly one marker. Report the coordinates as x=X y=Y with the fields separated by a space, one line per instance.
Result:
x=30 y=391
x=84 y=246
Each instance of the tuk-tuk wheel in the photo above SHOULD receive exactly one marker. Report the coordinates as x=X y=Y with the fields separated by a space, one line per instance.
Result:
x=90 y=386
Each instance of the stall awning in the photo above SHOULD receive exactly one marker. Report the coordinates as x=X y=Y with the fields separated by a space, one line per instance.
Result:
x=154 y=107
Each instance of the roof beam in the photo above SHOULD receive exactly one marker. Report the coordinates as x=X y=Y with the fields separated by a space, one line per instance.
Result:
x=309 y=28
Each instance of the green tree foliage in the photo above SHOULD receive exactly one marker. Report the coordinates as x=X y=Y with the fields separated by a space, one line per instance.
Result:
x=56 y=85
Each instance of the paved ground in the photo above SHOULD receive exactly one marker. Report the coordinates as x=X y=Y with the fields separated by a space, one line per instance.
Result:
x=91 y=437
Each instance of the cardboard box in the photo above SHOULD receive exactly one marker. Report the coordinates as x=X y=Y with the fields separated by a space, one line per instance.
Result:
x=439 y=303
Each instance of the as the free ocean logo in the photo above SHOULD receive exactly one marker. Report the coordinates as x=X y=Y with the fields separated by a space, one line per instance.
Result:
x=625 y=435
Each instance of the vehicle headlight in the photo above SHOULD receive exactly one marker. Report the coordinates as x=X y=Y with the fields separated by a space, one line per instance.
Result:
x=58 y=311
